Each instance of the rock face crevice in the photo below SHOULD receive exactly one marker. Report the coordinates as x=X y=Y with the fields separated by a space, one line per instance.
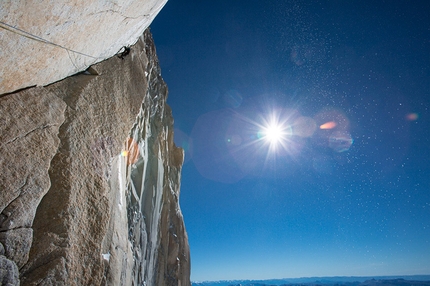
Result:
x=90 y=192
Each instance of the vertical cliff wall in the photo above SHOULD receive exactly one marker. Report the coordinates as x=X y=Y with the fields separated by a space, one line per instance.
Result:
x=90 y=179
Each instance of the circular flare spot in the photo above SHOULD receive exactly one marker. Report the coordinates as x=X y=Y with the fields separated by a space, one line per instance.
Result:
x=412 y=116
x=340 y=141
x=304 y=126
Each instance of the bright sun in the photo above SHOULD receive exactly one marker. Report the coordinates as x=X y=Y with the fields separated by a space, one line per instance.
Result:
x=273 y=133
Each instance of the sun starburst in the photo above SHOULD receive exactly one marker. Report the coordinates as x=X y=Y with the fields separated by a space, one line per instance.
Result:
x=275 y=132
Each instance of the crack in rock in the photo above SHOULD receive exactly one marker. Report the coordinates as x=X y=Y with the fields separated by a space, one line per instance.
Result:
x=29 y=132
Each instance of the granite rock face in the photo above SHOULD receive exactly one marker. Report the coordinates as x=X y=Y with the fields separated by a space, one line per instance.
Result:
x=43 y=42
x=90 y=179
x=9 y=275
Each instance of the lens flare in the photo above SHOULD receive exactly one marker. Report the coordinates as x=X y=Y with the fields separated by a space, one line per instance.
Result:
x=328 y=125
x=412 y=116
x=131 y=151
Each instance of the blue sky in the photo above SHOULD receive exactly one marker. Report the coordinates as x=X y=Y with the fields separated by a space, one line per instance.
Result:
x=346 y=191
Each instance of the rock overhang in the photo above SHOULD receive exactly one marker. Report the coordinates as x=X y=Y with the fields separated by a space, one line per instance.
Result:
x=44 y=43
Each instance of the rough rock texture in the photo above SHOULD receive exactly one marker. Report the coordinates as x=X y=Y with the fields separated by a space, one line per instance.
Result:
x=43 y=42
x=9 y=275
x=17 y=242
x=92 y=188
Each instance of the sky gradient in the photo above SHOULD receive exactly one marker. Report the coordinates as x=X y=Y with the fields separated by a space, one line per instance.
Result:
x=347 y=189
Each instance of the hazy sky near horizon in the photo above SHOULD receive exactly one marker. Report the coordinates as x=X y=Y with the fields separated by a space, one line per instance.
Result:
x=346 y=189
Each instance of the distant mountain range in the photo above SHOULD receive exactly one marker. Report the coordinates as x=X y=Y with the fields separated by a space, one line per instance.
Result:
x=415 y=280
